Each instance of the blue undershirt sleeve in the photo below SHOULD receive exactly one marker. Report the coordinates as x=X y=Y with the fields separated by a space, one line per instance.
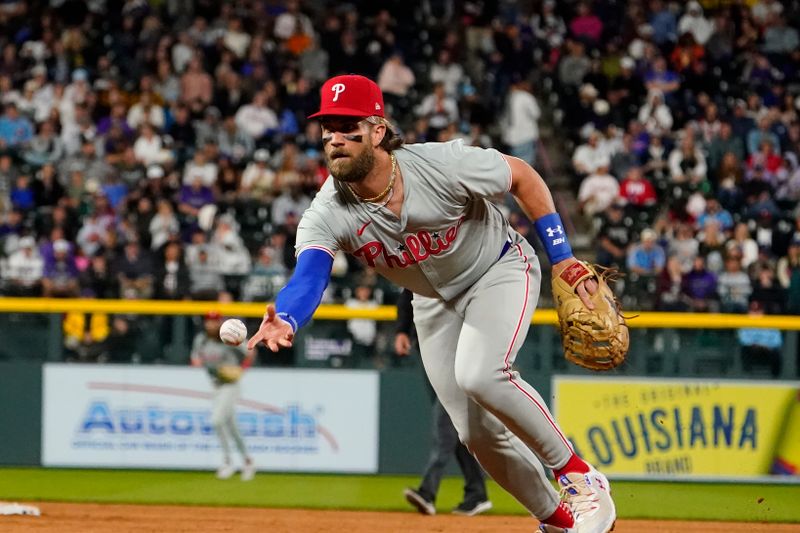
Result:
x=301 y=296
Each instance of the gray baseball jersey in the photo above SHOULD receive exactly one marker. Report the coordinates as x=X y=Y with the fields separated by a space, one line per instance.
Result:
x=448 y=234
x=214 y=353
x=472 y=304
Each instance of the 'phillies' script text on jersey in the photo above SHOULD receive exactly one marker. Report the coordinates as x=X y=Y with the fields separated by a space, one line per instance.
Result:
x=417 y=248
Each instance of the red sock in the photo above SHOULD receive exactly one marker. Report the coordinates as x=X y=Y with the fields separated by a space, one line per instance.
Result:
x=575 y=464
x=562 y=517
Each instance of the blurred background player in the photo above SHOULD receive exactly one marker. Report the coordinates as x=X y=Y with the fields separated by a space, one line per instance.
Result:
x=211 y=353
x=445 y=440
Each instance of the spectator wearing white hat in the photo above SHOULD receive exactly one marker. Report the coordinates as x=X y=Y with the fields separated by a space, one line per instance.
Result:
x=589 y=155
x=694 y=22
x=259 y=180
x=234 y=258
x=43 y=97
x=60 y=279
x=78 y=91
x=200 y=168
x=23 y=273
x=655 y=115
x=646 y=258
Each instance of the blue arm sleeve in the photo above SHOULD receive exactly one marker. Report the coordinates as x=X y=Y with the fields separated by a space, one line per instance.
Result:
x=298 y=300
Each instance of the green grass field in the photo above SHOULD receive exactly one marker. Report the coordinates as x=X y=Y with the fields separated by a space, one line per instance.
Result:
x=655 y=500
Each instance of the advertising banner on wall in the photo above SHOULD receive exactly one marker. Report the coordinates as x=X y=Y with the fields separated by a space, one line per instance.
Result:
x=160 y=417
x=687 y=428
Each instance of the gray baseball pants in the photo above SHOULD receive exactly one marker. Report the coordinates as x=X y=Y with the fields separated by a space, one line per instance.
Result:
x=468 y=347
x=223 y=418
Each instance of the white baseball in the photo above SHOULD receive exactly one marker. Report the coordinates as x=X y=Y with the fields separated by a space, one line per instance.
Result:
x=233 y=332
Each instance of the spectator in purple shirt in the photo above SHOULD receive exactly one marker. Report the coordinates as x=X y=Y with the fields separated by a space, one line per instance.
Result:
x=700 y=286
x=660 y=78
x=60 y=273
x=117 y=117
x=193 y=197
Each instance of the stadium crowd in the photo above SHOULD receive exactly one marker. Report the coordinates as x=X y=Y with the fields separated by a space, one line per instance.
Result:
x=161 y=149
x=687 y=138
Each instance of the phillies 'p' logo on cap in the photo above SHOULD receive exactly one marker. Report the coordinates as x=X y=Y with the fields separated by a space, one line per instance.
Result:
x=350 y=95
x=337 y=88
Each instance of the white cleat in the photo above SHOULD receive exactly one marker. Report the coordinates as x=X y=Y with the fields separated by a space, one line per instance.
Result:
x=226 y=471
x=589 y=498
x=248 y=470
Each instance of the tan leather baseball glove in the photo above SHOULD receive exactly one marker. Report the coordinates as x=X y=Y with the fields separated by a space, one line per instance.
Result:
x=229 y=374
x=596 y=339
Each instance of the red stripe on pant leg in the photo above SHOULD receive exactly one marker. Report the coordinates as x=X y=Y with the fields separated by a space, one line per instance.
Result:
x=507 y=371
x=524 y=306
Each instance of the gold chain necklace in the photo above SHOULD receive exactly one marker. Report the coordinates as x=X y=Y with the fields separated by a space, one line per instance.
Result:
x=383 y=193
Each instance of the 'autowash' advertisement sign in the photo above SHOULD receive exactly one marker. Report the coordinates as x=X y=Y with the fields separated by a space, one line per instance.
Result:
x=687 y=428
x=161 y=417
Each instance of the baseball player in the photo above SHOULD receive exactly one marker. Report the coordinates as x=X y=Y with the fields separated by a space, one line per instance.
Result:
x=218 y=358
x=421 y=217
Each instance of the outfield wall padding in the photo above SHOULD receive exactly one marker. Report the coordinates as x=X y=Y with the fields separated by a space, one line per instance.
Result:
x=20 y=413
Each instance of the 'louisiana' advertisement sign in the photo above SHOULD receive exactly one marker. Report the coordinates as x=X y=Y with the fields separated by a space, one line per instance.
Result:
x=686 y=428
x=163 y=417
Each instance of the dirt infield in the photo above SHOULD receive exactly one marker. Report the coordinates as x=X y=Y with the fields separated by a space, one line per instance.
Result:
x=92 y=518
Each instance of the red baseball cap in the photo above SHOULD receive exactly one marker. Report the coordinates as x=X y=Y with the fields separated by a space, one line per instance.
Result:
x=213 y=315
x=350 y=95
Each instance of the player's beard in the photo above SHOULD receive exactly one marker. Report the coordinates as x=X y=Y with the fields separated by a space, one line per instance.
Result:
x=353 y=169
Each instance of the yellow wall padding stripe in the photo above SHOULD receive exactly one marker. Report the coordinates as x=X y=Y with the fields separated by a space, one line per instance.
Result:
x=385 y=312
